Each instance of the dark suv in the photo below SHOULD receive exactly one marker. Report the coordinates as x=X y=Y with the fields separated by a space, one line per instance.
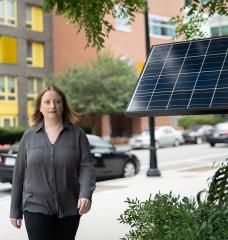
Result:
x=197 y=134
x=219 y=134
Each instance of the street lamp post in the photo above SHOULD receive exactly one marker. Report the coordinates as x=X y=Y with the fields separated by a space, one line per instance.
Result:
x=153 y=171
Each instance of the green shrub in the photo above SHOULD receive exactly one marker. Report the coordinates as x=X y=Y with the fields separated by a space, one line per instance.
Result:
x=166 y=217
x=189 y=121
x=10 y=135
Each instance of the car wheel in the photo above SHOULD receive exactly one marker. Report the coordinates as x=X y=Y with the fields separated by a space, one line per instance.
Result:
x=129 y=169
x=212 y=144
x=176 y=143
x=199 y=140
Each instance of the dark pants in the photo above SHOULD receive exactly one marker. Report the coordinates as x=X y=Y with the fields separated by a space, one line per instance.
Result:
x=48 y=227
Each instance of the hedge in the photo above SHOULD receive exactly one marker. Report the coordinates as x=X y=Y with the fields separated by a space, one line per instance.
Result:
x=11 y=135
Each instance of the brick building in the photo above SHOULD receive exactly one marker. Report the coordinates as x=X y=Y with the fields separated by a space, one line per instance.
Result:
x=34 y=44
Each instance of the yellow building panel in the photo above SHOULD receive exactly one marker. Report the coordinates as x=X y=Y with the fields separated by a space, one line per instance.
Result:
x=8 y=50
x=8 y=108
x=30 y=110
x=140 y=67
x=37 y=19
x=38 y=54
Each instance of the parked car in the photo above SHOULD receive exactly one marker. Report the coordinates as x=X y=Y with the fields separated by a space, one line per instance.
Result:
x=219 y=134
x=197 y=134
x=108 y=161
x=164 y=136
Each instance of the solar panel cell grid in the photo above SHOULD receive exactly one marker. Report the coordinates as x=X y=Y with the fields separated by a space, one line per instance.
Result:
x=183 y=78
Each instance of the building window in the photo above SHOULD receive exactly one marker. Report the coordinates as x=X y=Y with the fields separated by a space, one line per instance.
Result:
x=161 y=27
x=35 y=54
x=8 y=50
x=29 y=53
x=219 y=31
x=8 y=121
x=34 y=18
x=28 y=16
x=8 y=88
x=2 y=85
x=204 y=2
x=34 y=86
x=8 y=12
x=122 y=23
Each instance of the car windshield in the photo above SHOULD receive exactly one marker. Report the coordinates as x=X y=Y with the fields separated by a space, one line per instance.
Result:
x=194 y=128
x=98 y=142
x=223 y=126
x=147 y=131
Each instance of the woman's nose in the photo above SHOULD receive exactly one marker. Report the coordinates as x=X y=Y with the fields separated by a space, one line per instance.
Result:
x=53 y=104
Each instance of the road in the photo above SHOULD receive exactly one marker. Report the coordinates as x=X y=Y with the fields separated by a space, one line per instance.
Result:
x=185 y=156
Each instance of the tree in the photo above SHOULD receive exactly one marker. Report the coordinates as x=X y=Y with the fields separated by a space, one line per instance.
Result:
x=194 y=14
x=90 y=15
x=102 y=87
x=190 y=121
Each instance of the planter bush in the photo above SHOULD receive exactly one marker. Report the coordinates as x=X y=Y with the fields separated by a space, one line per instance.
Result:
x=167 y=217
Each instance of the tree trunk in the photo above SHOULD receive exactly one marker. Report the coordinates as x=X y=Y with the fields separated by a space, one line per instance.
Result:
x=111 y=124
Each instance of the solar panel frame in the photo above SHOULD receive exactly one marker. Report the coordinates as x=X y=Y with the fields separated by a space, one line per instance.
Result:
x=196 y=105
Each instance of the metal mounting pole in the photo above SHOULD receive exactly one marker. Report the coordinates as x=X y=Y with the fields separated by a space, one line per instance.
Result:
x=153 y=171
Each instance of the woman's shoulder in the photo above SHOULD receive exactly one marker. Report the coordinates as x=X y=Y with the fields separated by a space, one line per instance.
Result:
x=28 y=132
x=32 y=129
x=26 y=136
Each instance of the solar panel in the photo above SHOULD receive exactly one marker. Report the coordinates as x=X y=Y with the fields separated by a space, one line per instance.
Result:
x=189 y=77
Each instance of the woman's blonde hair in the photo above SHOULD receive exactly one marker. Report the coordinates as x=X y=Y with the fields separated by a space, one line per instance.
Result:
x=68 y=115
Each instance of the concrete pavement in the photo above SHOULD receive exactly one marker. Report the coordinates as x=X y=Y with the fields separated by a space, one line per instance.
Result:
x=108 y=202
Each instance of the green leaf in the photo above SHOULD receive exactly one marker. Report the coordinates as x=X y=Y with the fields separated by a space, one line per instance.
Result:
x=91 y=15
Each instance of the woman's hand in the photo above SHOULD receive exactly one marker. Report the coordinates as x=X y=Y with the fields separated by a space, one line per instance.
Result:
x=16 y=222
x=84 y=205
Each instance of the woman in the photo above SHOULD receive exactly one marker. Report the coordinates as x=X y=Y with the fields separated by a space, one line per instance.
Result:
x=53 y=177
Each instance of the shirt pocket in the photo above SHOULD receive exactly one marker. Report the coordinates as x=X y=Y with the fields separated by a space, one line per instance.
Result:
x=35 y=155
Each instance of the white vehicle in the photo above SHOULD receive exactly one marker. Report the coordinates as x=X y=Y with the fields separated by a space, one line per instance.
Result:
x=164 y=136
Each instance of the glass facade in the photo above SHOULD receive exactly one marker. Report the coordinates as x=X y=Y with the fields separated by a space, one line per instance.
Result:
x=161 y=27
x=219 y=31
x=8 y=12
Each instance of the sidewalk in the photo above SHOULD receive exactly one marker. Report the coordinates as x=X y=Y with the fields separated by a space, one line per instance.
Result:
x=108 y=202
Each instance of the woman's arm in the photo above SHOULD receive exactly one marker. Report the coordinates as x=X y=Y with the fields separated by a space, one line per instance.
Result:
x=16 y=212
x=87 y=177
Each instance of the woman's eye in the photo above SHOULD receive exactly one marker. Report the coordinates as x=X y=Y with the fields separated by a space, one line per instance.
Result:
x=47 y=102
x=58 y=101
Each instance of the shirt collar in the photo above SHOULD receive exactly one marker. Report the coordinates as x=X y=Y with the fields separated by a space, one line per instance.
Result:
x=40 y=126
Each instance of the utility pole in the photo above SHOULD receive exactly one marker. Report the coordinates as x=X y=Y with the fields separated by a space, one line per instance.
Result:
x=153 y=171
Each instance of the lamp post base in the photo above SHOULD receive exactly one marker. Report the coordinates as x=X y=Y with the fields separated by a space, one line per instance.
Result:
x=153 y=172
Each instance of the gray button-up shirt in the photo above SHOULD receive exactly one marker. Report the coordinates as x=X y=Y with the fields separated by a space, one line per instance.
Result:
x=49 y=178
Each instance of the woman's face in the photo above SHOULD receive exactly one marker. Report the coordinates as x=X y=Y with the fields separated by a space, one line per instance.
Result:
x=51 y=105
